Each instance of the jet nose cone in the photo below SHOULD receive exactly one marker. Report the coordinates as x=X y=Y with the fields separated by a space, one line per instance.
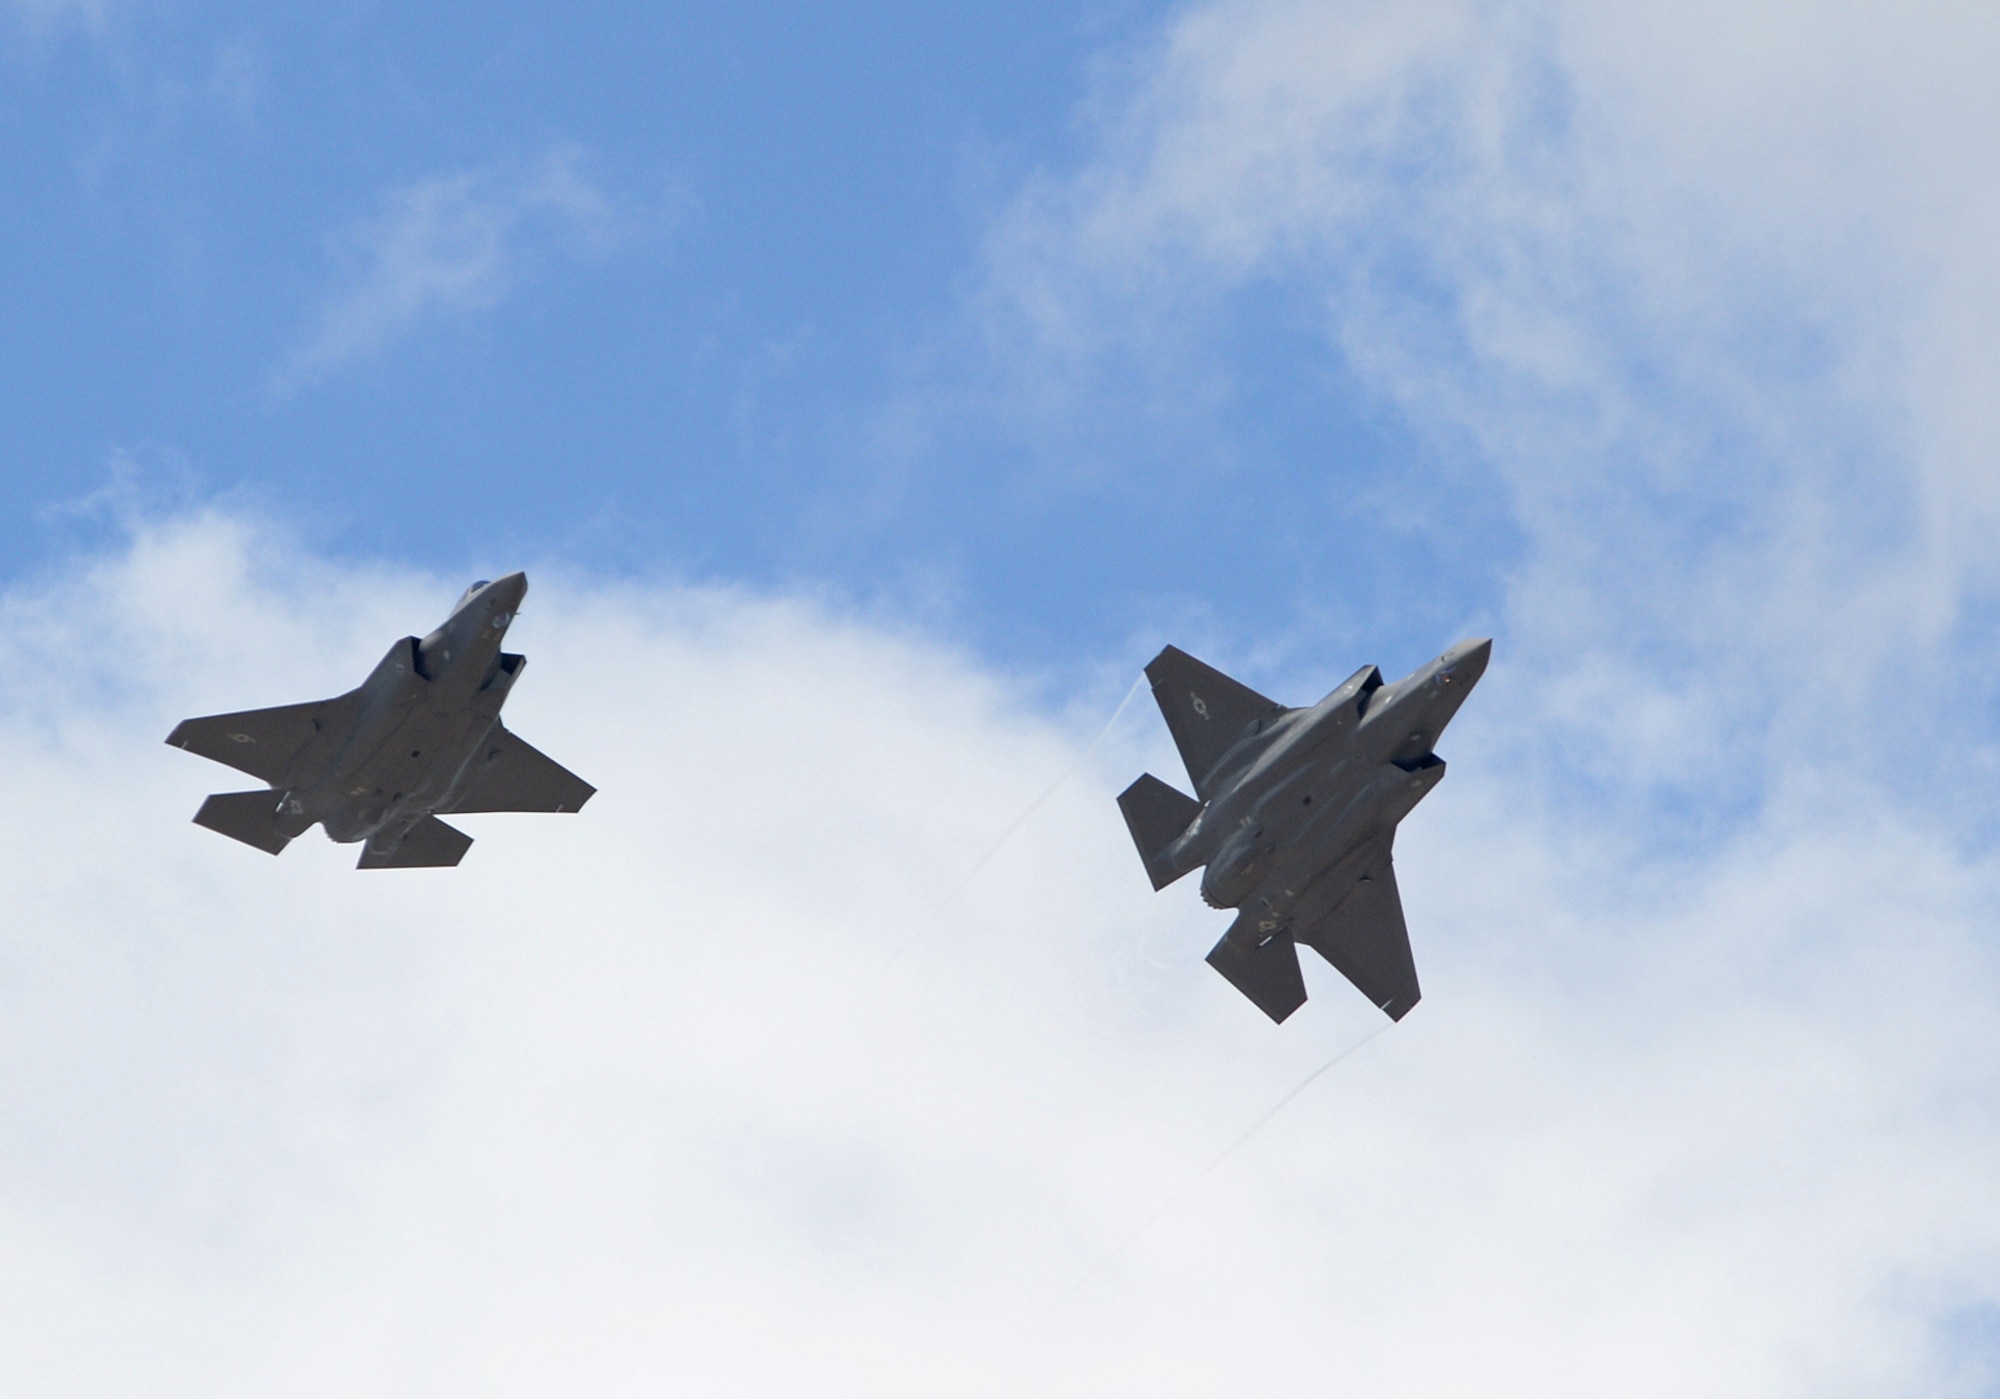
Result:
x=509 y=590
x=1467 y=660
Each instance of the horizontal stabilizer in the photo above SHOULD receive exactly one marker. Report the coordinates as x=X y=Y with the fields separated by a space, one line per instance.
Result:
x=1206 y=711
x=1367 y=941
x=1266 y=972
x=507 y=774
x=1157 y=815
x=251 y=817
x=430 y=844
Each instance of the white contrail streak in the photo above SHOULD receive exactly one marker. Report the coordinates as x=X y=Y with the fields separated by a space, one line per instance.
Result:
x=1032 y=807
x=1206 y=1171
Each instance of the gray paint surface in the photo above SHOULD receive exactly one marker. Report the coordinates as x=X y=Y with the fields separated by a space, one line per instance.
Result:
x=420 y=737
x=1294 y=817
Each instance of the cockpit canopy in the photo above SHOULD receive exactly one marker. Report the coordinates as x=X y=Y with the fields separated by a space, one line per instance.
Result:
x=467 y=595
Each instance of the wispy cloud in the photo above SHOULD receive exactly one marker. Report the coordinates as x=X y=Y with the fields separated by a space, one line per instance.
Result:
x=44 y=12
x=452 y=244
x=1702 y=287
x=1708 y=291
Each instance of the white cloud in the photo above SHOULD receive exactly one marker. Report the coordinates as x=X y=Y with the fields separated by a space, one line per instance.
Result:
x=1706 y=288
x=451 y=244
x=625 y=1104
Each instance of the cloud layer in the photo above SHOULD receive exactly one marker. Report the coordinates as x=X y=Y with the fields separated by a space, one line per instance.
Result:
x=639 y=1098
x=1701 y=1098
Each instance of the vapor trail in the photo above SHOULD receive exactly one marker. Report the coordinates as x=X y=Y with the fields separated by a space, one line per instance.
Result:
x=1206 y=1171
x=1032 y=807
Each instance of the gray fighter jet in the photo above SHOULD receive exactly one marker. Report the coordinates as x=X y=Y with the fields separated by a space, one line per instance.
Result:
x=1296 y=815
x=422 y=735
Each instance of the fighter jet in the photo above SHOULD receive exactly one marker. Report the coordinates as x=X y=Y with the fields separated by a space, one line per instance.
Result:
x=421 y=736
x=1294 y=815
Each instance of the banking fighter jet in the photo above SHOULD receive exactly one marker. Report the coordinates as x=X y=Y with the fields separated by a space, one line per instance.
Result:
x=421 y=737
x=1293 y=817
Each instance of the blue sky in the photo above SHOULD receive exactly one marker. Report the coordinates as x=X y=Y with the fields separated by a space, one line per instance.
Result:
x=690 y=291
x=869 y=391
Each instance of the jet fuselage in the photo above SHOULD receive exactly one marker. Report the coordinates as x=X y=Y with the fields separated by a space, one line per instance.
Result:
x=1291 y=802
x=419 y=738
x=1293 y=820
x=424 y=712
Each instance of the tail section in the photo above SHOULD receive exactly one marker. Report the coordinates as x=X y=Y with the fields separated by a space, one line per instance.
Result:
x=1156 y=815
x=430 y=844
x=251 y=817
x=1266 y=971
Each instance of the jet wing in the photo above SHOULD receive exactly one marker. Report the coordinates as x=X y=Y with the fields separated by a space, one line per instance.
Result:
x=511 y=775
x=1206 y=711
x=261 y=742
x=1366 y=939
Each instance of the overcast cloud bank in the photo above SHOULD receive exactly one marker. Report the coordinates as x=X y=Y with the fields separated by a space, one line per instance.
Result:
x=637 y=1098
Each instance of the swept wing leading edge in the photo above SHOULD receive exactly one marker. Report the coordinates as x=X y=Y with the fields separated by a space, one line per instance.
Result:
x=513 y=775
x=1367 y=940
x=1206 y=711
x=261 y=742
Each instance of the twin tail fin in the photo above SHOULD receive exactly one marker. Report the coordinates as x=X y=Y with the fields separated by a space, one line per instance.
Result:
x=252 y=817
x=430 y=844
